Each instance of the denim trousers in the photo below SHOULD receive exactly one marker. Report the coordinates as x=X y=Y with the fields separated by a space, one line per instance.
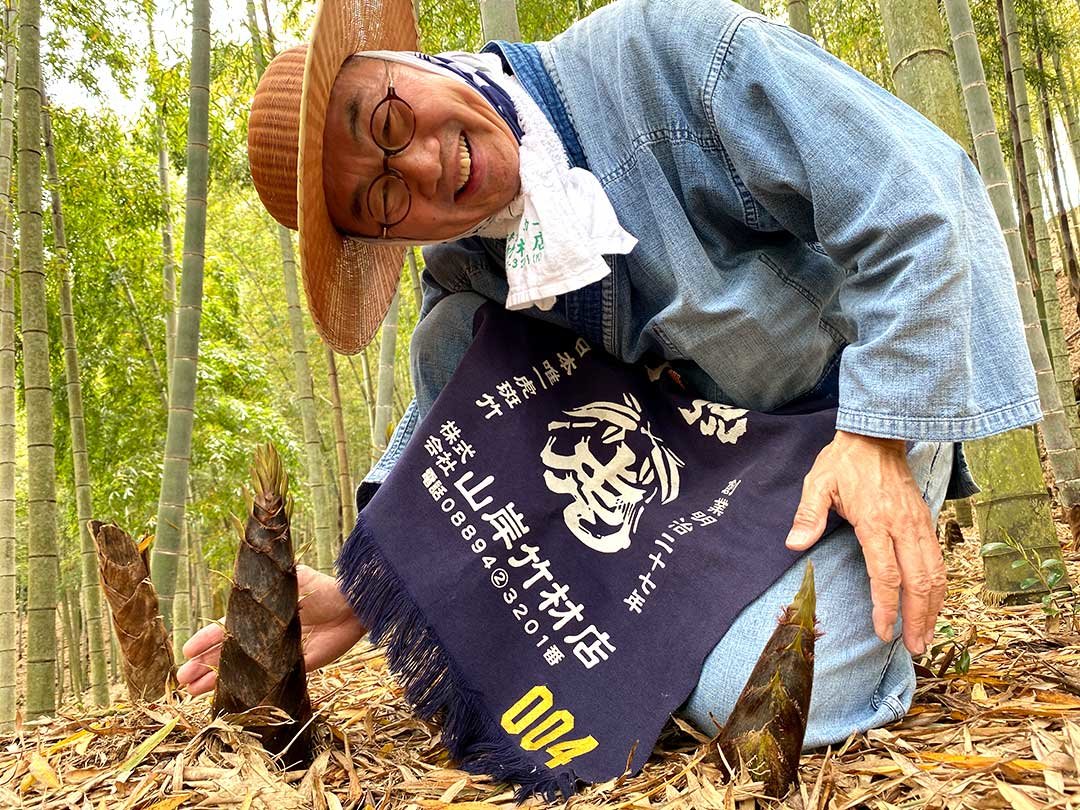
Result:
x=860 y=682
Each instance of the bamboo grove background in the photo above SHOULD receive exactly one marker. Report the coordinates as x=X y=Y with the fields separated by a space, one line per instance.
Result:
x=152 y=330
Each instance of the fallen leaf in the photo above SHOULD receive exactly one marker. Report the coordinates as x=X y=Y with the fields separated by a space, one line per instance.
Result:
x=975 y=761
x=77 y=776
x=1016 y=798
x=70 y=740
x=171 y=803
x=452 y=791
x=42 y=771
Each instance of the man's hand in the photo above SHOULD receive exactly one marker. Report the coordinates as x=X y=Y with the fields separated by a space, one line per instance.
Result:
x=329 y=625
x=868 y=482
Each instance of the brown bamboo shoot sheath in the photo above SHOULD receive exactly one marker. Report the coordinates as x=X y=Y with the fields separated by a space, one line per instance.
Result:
x=149 y=667
x=765 y=731
x=262 y=663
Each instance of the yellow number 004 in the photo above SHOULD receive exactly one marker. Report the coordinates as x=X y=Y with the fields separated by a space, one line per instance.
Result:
x=527 y=717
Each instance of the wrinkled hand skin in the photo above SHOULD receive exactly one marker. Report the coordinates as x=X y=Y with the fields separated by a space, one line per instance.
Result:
x=330 y=629
x=867 y=482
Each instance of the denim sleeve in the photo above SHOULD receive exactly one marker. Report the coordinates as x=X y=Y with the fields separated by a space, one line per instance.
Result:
x=939 y=352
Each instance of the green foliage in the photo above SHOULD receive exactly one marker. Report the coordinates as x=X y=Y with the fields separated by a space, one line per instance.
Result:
x=1047 y=572
x=83 y=37
x=950 y=651
x=851 y=30
x=454 y=25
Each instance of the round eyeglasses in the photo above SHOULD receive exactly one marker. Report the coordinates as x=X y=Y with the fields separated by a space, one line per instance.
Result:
x=393 y=125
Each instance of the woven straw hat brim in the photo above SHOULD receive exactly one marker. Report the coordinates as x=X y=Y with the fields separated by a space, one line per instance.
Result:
x=349 y=284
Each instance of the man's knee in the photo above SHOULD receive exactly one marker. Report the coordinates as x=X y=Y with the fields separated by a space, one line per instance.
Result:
x=857 y=687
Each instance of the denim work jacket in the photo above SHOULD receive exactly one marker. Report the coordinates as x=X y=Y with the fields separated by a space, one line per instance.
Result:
x=792 y=217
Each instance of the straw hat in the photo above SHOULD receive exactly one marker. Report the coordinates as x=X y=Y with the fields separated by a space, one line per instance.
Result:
x=349 y=284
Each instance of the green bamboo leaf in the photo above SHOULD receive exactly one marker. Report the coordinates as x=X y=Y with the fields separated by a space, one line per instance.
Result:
x=1052 y=562
x=1055 y=577
x=148 y=745
x=1030 y=582
x=994 y=548
x=963 y=662
x=1019 y=563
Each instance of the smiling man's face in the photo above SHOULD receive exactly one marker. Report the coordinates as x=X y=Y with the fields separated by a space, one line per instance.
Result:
x=460 y=167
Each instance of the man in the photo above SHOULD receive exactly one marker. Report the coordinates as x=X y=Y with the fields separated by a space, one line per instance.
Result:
x=799 y=232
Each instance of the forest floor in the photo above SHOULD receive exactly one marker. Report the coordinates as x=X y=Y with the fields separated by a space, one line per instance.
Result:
x=1004 y=733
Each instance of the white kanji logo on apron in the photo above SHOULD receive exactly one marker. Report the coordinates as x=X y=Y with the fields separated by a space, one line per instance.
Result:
x=726 y=423
x=617 y=467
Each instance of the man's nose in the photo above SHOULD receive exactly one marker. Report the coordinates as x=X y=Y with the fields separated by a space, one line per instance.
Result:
x=421 y=165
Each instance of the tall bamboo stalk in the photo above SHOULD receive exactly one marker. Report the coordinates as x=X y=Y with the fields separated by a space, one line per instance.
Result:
x=1053 y=223
x=385 y=398
x=174 y=479
x=1068 y=107
x=197 y=608
x=1055 y=334
x=1072 y=87
x=162 y=379
x=798 y=12
x=168 y=262
x=1010 y=505
x=348 y=508
x=963 y=510
x=269 y=28
x=78 y=620
x=42 y=542
x=9 y=618
x=369 y=390
x=305 y=393
x=257 y=50
x=498 y=20
x=202 y=579
x=921 y=66
x=71 y=641
x=1018 y=76
x=80 y=457
x=58 y=637
x=1072 y=202
x=305 y=400
x=1068 y=257
x=414 y=277
x=1013 y=509
x=181 y=608
x=1027 y=234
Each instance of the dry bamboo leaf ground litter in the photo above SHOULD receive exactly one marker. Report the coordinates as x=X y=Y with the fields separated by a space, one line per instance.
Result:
x=1004 y=735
